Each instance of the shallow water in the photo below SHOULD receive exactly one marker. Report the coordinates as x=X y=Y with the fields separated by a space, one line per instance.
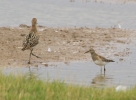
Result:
x=85 y=73
x=63 y=13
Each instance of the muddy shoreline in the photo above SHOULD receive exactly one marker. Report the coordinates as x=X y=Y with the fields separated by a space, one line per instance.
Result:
x=66 y=44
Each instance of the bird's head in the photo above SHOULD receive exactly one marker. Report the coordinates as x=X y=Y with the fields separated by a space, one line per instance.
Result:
x=34 y=21
x=91 y=51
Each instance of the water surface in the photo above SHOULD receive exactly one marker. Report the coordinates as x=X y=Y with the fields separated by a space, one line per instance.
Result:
x=63 y=13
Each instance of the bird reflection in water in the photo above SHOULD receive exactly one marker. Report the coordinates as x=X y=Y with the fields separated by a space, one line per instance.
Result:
x=32 y=72
x=100 y=80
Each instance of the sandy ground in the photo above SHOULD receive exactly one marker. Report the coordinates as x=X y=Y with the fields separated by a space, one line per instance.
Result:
x=66 y=44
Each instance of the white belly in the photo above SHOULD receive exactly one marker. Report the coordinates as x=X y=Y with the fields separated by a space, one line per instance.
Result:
x=100 y=63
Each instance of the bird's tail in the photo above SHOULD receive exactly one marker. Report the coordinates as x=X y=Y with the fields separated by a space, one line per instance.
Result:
x=109 y=60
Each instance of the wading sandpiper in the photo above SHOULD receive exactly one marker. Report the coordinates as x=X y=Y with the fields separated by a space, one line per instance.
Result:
x=98 y=60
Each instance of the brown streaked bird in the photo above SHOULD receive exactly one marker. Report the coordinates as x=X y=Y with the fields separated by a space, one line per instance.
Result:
x=99 y=60
x=32 y=39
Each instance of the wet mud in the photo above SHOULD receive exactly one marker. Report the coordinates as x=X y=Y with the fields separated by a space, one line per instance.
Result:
x=63 y=44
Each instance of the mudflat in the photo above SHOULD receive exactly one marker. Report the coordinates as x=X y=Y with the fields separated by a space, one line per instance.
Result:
x=63 y=44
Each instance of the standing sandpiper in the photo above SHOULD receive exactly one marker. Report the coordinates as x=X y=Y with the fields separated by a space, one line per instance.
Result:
x=99 y=60
x=31 y=39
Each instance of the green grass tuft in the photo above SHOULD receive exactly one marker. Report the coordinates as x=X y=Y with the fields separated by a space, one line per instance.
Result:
x=29 y=88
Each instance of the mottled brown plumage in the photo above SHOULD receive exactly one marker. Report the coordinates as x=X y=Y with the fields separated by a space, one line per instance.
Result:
x=97 y=59
x=32 y=39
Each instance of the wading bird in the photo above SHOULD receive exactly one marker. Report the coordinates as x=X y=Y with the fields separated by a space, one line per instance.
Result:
x=32 y=39
x=99 y=60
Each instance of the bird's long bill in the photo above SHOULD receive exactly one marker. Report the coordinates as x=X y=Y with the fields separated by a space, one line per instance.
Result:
x=86 y=51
